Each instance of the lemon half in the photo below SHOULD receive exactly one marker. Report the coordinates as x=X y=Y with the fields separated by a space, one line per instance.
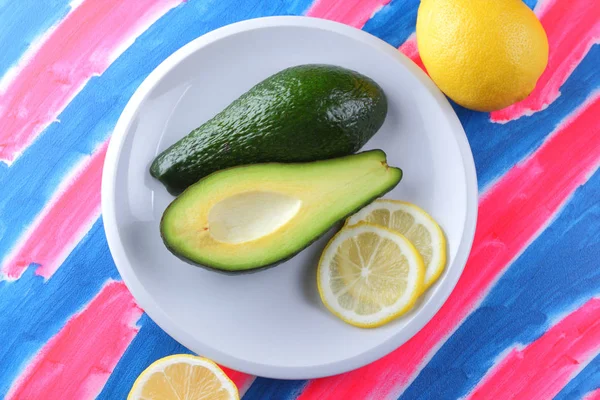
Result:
x=183 y=377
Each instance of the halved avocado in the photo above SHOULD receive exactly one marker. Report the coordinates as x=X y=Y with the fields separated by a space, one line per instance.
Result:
x=255 y=216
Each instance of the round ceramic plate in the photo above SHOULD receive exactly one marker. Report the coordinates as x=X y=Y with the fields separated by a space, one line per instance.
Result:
x=272 y=323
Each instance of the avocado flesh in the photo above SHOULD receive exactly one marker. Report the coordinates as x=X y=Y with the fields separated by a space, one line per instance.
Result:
x=250 y=217
x=303 y=113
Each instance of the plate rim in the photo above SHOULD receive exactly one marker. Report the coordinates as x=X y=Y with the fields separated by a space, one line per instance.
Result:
x=153 y=309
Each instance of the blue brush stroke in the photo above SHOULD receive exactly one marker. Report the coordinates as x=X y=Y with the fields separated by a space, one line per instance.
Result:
x=587 y=380
x=395 y=22
x=264 y=388
x=150 y=344
x=18 y=34
x=555 y=275
x=31 y=311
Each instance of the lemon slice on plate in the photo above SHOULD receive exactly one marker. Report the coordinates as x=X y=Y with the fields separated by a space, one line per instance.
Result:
x=369 y=275
x=183 y=377
x=416 y=225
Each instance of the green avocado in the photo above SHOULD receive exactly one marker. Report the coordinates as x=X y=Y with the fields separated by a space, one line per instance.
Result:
x=303 y=113
x=251 y=217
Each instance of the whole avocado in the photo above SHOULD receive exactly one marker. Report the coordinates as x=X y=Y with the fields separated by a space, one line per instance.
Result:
x=303 y=113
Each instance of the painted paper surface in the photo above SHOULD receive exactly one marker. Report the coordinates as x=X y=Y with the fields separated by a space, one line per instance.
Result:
x=530 y=289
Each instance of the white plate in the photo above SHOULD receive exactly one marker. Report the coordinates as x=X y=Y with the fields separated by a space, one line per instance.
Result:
x=272 y=323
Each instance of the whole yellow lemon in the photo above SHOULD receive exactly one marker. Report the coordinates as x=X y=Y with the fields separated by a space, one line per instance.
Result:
x=483 y=54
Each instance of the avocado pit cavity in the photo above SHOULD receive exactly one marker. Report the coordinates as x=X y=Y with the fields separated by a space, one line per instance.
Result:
x=250 y=215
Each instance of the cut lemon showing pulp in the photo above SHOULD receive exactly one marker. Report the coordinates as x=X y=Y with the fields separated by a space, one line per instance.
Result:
x=369 y=275
x=183 y=377
x=416 y=225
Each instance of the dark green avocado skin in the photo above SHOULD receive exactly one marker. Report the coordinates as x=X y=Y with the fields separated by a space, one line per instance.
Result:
x=303 y=113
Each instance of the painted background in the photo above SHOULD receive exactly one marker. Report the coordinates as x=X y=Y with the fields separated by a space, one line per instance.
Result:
x=524 y=320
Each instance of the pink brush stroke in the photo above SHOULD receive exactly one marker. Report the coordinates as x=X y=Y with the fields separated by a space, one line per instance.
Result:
x=77 y=361
x=593 y=395
x=355 y=13
x=572 y=27
x=410 y=49
x=83 y=45
x=512 y=213
x=546 y=365
x=242 y=381
x=62 y=224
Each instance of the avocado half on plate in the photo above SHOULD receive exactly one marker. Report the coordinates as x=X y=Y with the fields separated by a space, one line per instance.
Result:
x=250 y=217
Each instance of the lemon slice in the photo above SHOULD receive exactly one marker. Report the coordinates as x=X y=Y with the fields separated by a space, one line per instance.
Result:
x=369 y=275
x=183 y=377
x=416 y=225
